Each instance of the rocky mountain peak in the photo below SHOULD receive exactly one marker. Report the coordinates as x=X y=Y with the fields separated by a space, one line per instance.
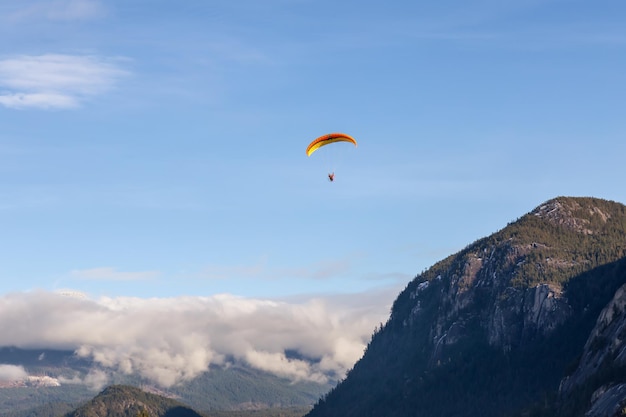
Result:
x=576 y=214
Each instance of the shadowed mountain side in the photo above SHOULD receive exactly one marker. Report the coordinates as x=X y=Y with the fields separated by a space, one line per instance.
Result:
x=598 y=377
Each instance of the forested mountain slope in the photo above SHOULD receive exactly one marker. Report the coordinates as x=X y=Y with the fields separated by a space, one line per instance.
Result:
x=493 y=329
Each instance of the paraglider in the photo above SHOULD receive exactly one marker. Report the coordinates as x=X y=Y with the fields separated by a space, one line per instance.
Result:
x=327 y=140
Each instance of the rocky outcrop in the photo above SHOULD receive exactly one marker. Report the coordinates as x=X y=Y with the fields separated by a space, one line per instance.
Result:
x=521 y=314
x=573 y=214
x=608 y=402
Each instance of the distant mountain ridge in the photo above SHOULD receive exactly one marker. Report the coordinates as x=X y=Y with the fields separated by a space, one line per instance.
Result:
x=235 y=387
x=495 y=328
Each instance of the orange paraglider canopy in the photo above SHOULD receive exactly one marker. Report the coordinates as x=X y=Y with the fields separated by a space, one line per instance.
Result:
x=328 y=139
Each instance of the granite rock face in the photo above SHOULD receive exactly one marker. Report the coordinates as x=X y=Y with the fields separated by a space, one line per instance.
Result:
x=506 y=281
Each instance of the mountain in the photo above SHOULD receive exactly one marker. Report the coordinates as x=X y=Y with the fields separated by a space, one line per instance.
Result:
x=526 y=322
x=127 y=401
x=57 y=383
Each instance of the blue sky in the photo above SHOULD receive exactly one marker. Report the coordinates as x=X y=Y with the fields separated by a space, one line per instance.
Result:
x=155 y=149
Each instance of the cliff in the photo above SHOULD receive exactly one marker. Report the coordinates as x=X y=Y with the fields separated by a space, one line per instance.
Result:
x=493 y=329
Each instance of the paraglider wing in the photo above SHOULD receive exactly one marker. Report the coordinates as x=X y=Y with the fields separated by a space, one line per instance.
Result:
x=328 y=139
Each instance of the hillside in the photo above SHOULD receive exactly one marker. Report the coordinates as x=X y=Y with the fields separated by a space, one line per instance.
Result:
x=493 y=329
x=127 y=401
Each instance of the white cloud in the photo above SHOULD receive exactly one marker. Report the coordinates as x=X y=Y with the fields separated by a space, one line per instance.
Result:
x=172 y=339
x=10 y=373
x=54 y=81
x=62 y=10
x=95 y=379
x=111 y=274
x=278 y=363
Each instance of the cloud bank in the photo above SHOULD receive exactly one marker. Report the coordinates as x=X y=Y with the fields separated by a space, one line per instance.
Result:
x=169 y=340
x=55 y=81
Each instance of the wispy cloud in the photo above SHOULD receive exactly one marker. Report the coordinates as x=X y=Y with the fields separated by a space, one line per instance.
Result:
x=112 y=274
x=54 y=81
x=172 y=339
x=323 y=270
x=215 y=271
x=95 y=379
x=62 y=10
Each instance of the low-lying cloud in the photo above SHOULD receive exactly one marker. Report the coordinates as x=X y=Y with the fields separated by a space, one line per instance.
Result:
x=55 y=81
x=169 y=340
x=12 y=373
